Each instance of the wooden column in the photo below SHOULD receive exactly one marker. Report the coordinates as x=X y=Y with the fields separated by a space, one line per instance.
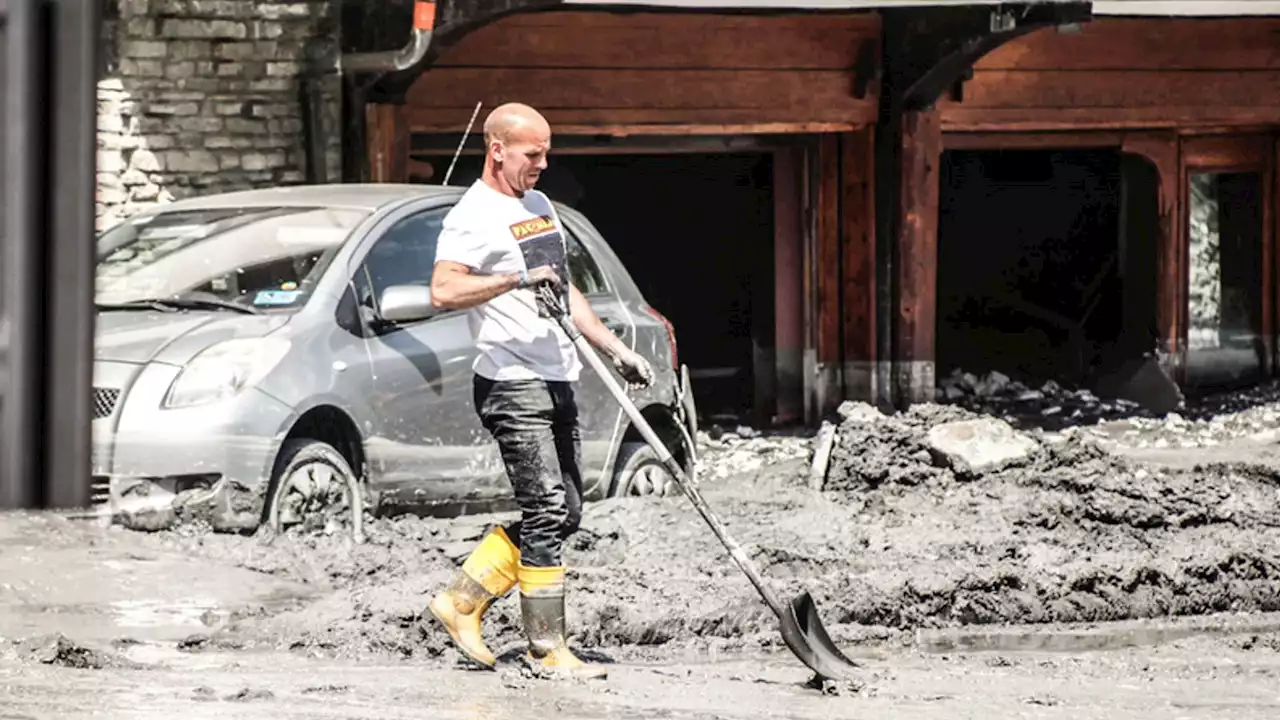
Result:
x=1272 y=299
x=788 y=286
x=387 y=130
x=1162 y=150
x=917 y=257
x=858 y=264
x=826 y=276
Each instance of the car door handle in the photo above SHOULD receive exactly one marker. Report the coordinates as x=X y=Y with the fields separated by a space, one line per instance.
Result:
x=615 y=326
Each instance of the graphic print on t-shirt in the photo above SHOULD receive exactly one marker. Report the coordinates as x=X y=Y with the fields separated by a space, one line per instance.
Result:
x=541 y=243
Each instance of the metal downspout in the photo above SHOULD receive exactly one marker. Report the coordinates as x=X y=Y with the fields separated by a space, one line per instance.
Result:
x=424 y=21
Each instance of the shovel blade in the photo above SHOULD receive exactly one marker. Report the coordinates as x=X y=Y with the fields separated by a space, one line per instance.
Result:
x=803 y=632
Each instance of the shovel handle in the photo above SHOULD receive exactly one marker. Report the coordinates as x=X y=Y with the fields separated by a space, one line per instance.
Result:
x=735 y=550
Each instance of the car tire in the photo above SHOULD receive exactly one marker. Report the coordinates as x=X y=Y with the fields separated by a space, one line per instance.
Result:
x=639 y=473
x=301 y=466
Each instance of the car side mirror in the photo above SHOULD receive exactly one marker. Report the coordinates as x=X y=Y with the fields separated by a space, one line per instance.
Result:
x=406 y=303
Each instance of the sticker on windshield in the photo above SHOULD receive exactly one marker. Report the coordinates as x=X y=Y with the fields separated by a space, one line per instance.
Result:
x=276 y=297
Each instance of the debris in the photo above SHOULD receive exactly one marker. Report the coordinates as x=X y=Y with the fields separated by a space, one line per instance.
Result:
x=249 y=694
x=61 y=651
x=975 y=447
x=226 y=506
x=721 y=454
x=1144 y=382
x=837 y=688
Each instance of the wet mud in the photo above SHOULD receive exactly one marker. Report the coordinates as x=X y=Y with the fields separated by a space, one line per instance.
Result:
x=897 y=541
x=897 y=545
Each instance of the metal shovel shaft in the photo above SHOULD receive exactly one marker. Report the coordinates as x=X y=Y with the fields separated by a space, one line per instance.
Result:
x=735 y=550
x=801 y=627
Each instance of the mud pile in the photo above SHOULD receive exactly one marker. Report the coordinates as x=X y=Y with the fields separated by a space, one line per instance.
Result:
x=898 y=540
x=1071 y=534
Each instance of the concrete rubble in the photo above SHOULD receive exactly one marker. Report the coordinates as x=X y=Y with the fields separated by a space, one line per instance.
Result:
x=975 y=447
x=722 y=453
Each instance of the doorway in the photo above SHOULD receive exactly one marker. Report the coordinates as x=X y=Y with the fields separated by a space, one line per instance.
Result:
x=1227 y=314
x=1046 y=262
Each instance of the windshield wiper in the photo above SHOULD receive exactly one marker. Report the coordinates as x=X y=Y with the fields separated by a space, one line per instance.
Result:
x=174 y=304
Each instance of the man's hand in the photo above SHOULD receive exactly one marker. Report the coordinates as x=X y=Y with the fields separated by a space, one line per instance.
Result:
x=539 y=275
x=633 y=368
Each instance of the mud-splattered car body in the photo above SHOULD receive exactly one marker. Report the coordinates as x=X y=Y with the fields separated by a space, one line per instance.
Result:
x=235 y=328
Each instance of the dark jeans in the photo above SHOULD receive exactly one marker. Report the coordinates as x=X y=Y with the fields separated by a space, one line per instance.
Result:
x=535 y=423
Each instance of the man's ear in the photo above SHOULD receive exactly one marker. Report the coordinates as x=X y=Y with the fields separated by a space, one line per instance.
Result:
x=497 y=150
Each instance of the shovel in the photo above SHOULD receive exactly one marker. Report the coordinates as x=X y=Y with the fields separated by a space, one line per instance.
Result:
x=801 y=627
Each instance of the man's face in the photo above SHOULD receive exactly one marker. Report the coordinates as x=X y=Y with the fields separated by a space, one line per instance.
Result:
x=523 y=157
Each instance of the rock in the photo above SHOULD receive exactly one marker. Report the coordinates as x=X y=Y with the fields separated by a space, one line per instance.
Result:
x=975 y=447
x=850 y=411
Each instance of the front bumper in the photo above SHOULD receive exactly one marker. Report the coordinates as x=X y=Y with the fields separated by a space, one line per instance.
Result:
x=236 y=439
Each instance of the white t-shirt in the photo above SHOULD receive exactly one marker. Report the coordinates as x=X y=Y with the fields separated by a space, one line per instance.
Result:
x=495 y=234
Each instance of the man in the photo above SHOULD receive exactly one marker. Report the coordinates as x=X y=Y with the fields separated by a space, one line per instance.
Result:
x=496 y=246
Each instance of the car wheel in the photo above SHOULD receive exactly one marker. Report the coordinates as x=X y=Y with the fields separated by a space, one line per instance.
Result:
x=641 y=474
x=314 y=489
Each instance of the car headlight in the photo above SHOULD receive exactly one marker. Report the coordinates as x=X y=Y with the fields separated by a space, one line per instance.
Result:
x=220 y=371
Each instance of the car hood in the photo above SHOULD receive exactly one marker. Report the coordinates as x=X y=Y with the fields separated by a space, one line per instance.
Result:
x=145 y=336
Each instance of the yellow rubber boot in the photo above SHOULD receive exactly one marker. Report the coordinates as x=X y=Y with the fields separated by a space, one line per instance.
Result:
x=488 y=573
x=542 y=609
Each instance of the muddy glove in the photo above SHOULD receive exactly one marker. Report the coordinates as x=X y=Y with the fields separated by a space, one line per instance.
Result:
x=539 y=275
x=543 y=276
x=633 y=368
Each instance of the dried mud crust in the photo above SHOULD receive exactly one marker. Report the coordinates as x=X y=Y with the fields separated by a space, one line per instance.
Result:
x=893 y=544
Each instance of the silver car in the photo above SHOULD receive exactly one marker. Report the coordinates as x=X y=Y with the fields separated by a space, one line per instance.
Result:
x=276 y=351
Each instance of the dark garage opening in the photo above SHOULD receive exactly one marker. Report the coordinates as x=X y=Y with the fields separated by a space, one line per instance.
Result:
x=695 y=231
x=1046 y=263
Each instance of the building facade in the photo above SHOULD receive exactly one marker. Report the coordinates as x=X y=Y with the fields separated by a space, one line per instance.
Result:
x=838 y=203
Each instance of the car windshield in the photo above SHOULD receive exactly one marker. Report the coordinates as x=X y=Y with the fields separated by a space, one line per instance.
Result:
x=239 y=258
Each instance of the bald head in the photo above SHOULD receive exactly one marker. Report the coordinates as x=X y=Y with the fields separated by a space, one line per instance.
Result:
x=513 y=122
x=517 y=140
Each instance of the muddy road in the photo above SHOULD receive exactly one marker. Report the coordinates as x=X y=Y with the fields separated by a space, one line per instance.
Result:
x=919 y=565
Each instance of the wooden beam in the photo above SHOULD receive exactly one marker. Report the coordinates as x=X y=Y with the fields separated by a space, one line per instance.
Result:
x=1227 y=152
x=388 y=143
x=998 y=89
x=1030 y=141
x=917 y=257
x=1162 y=149
x=827 y=275
x=684 y=41
x=687 y=96
x=434 y=122
x=1179 y=114
x=858 y=264
x=1146 y=44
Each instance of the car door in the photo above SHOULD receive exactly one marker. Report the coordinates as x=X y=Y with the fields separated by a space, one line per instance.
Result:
x=599 y=413
x=428 y=445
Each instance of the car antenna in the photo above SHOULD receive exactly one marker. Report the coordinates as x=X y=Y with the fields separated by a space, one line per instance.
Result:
x=461 y=142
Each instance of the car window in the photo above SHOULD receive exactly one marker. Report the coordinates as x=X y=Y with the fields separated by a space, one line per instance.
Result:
x=405 y=255
x=268 y=257
x=583 y=270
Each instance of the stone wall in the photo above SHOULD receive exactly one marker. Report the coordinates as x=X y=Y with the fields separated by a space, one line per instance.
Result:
x=203 y=96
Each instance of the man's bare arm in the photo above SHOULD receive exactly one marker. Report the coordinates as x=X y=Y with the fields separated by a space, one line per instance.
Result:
x=588 y=323
x=455 y=287
x=630 y=365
